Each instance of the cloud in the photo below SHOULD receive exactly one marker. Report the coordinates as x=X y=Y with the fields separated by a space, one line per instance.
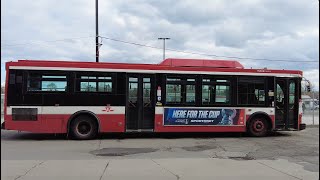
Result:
x=248 y=28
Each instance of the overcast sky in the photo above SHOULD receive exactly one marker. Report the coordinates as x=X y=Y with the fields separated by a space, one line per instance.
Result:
x=272 y=29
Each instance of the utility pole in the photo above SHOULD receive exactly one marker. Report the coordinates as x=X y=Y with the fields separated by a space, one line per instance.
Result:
x=97 y=34
x=164 y=46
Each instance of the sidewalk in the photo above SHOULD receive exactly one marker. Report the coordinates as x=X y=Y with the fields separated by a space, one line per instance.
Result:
x=182 y=169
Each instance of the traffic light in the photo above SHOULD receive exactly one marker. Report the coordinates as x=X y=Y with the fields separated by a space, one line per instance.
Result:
x=308 y=88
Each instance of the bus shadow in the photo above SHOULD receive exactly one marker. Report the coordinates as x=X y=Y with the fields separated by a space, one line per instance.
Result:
x=17 y=136
x=12 y=136
x=198 y=135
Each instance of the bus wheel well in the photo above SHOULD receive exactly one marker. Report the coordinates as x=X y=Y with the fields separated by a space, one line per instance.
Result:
x=83 y=113
x=261 y=115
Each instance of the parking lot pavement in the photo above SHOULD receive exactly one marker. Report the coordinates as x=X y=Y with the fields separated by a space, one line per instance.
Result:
x=287 y=155
x=173 y=168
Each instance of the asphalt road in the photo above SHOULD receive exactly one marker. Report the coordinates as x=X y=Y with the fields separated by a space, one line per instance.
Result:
x=286 y=155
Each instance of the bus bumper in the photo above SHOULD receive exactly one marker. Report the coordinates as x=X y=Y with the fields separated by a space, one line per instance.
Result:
x=302 y=126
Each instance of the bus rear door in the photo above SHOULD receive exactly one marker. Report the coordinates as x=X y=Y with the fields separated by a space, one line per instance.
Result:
x=287 y=103
x=140 y=107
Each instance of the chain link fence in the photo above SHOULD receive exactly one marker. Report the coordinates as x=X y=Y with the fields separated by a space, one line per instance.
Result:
x=310 y=117
x=310 y=106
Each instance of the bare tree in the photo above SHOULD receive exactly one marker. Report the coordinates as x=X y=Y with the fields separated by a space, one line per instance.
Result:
x=52 y=87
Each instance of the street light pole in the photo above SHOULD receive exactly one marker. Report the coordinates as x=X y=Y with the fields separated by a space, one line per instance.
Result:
x=97 y=34
x=164 y=46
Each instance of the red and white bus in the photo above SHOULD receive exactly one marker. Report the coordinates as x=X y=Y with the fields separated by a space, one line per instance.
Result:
x=83 y=99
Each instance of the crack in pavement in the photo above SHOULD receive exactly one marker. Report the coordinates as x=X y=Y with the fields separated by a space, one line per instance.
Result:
x=29 y=170
x=177 y=176
x=105 y=168
x=280 y=171
x=259 y=147
x=256 y=145
x=220 y=146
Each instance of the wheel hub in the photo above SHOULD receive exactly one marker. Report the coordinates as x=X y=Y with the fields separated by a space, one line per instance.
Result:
x=258 y=126
x=84 y=128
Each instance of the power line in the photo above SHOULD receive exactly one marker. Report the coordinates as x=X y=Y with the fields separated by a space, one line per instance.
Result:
x=204 y=54
x=41 y=41
x=168 y=49
x=127 y=42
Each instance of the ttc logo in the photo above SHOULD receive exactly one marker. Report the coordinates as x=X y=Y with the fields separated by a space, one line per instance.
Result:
x=108 y=108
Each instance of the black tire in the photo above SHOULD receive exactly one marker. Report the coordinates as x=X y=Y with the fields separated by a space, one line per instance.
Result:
x=258 y=127
x=83 y=127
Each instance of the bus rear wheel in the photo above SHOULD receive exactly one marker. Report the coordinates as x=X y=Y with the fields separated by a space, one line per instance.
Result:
x=83 y=127
x=258 y=127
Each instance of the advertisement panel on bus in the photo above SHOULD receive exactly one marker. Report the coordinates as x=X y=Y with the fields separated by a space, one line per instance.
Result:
x=204 y=117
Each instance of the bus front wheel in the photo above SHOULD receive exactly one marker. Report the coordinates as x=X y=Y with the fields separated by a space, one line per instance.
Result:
x=258 y=127
x=83 y=127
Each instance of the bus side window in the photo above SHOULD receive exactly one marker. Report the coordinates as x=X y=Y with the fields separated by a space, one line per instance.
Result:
x=39 y=82
x=222 y=94
x=216 y=91
x=93 y=83
x=173 y=93
x=190 y=91
x=206 y=94
x=251 y=91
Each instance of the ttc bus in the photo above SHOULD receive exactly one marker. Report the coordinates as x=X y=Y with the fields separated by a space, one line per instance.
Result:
x=83 y=99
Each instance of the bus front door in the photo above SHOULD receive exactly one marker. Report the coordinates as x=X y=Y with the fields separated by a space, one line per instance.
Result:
x=140 y=105
x=287 y=103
